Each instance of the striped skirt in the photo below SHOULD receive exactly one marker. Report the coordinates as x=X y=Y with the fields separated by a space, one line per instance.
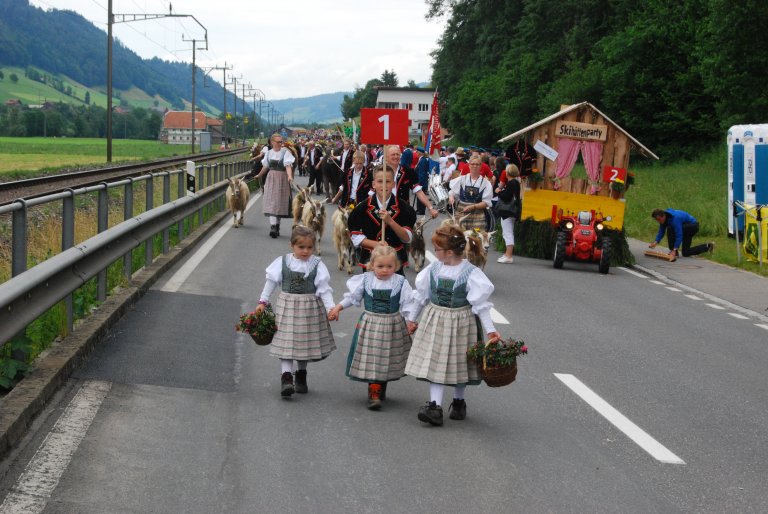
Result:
x=277 y=195
x=379 y=348
x=440 y=344
x=303 y=332
x=473 y=220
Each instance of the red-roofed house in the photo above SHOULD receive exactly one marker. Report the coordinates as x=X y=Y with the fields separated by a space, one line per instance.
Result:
x=177 y=127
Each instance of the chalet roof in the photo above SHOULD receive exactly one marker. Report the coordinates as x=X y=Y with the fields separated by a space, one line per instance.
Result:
x=643 y=150
x=392 y=88
x=214 y=122
x=183 y=120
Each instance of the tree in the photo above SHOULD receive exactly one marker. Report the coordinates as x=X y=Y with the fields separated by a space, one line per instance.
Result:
x=2 y=76
x=389 y=78
x=87 y=99
x=362 y=98
x=14 y=78
x=412 y=83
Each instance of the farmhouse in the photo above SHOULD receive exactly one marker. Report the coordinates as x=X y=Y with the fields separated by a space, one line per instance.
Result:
x=177 y=127
x=417 y=100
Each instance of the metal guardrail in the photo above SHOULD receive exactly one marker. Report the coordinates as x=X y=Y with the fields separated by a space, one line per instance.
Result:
x=30 y=293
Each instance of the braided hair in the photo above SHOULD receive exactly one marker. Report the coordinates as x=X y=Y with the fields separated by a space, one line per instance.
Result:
x=450 y=238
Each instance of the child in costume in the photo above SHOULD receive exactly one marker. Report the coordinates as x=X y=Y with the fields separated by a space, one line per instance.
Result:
x=303 y=333
x=457 y=314
x=381 y=340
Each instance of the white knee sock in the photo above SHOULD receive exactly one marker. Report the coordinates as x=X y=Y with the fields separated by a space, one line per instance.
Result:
x=458 y=392
x=274 y=220
x=286 y=365
x=436 y=393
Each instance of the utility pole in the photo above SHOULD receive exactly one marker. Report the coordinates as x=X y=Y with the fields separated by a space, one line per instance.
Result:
x=234 y=102
x=224 y=68
x=125 y=18
x=194 y=47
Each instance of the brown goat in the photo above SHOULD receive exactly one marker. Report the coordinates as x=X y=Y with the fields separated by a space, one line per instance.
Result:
x=313 y=216
x=342 y=241
x=418 y=248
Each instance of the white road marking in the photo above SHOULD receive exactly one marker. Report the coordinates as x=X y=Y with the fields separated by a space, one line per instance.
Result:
x=635 y=273
x=693 y=297
x=673 y=289
x=716 y=306
x=497 y=317
x=761 y=326
x=657 y=282
x=36 y=484
x=637 y=434
x=737 y=316
x=177 y=280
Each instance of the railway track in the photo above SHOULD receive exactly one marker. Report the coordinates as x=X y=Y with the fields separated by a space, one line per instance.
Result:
x=39 y=186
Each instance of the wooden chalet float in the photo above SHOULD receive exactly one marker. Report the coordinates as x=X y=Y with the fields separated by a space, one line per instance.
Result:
x=579 y=129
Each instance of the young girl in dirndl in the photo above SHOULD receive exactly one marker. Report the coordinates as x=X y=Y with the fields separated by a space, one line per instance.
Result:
x=381 y=340
x=457 y=314
x=303 y=332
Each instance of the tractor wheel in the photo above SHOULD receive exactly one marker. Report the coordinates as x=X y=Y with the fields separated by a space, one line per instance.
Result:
x=605 y=258
x=559 y=257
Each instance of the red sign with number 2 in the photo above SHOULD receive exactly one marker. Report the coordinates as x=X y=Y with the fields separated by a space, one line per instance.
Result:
x=384 y=126
x=611 y=173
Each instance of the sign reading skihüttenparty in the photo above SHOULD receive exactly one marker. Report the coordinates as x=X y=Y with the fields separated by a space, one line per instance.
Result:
x=585 y=131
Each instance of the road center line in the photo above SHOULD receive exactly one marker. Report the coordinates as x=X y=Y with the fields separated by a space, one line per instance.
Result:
x=737 y=316
x=716 y=306
x=693 y=297
x=673 y=289
x=36 y=484
x=761 y=326
x=637 y=434
x=183 y=273
x=496 y=316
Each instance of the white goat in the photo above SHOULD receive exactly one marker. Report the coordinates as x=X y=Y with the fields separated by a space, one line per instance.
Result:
x=297 y=206
x=237 y=199
x=313 y=216
x=478 y=242
x=342 y=241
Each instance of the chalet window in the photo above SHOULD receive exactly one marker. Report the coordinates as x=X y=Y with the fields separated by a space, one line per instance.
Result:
x=389 y=105
x=423 y=107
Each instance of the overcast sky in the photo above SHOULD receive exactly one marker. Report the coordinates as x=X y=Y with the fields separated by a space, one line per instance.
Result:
x=303 y=48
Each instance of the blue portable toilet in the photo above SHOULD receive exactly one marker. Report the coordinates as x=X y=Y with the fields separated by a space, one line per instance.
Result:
x=747 y=168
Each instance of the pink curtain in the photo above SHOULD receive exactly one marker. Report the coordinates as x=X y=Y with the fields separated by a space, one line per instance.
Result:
x=592 y=152
x=567 y=153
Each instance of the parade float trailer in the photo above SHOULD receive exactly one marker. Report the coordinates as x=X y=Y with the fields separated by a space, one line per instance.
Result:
x=546 y=153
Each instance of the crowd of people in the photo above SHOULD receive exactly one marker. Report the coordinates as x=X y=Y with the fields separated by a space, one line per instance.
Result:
x=422 y=330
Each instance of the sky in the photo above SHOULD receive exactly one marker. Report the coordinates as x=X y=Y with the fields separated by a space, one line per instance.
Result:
x=303 y=48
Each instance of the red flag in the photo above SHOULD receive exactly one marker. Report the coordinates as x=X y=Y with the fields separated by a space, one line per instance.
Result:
x=433 y=134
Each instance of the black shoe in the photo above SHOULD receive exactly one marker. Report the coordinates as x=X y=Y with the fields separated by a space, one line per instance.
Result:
x=711 y=247
x=431 y=413
x=301 y=381
x=273 y=231
x=383 y=391
x=458 y=409
x=287 y=384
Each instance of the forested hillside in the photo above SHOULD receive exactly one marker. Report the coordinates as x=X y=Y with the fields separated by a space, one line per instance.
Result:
x=63 y=42
x=675 y=73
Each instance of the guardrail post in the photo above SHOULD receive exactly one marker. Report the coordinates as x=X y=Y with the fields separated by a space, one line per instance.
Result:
x=166 y=199
x=67 y=242
x=201 y=185
x=209 y=174
x=103 y=224
x=182 y=192
x=128 y=214
x=150 y=202
x=19 y=243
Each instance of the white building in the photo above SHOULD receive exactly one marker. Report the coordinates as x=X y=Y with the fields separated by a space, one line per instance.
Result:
x=417 y=100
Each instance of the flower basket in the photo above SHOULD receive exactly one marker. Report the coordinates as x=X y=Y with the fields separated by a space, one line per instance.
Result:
x=498 y=377
x=497 y=360
x=261 y=327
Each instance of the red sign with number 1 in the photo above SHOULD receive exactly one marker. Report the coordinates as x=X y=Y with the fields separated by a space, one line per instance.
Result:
x=384 y=126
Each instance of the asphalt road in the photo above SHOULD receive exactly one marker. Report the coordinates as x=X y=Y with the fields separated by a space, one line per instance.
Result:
x=176 y=412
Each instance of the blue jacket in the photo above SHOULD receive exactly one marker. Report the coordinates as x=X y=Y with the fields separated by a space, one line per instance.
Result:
x=675 y=219
x=422 y=171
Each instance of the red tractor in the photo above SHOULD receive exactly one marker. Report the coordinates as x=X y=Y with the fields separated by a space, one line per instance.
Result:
x=581 y=238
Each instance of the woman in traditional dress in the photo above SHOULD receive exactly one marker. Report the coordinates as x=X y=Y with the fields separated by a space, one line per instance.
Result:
x=278 y=166
x=474 y=193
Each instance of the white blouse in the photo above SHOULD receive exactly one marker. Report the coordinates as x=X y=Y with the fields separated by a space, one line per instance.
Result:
x=271 y=154
x=486 y=189
x=479 y=289
x=356 y=287
x=274 y=275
